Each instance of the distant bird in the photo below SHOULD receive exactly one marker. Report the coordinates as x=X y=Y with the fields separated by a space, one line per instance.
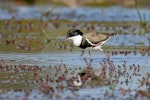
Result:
x=77 y=81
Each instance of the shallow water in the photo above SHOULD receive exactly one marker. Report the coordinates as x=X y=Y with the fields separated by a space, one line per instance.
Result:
x=72 y=59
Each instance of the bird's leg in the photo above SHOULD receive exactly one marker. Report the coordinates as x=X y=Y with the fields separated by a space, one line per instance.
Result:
x=107 y=55
x=82 y=53
x=90 y=55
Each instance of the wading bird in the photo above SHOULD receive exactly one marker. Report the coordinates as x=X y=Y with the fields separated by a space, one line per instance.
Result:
x=91 y=40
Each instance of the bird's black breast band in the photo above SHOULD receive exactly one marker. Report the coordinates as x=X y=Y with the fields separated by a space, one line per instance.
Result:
x=84 y=44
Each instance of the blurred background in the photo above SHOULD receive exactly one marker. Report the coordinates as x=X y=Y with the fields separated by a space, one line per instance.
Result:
x=24 y=23
x=73 y=3
x=31 y=26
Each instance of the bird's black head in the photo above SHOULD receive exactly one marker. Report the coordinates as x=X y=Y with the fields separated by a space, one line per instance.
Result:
x=74 y=32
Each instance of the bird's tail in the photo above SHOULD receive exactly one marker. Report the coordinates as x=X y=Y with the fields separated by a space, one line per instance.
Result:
x=112 y=34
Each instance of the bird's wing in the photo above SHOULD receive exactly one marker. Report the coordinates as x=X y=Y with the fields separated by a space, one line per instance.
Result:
x=96 y=37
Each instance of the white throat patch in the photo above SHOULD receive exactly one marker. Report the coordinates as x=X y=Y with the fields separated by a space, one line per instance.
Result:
x=76 y=40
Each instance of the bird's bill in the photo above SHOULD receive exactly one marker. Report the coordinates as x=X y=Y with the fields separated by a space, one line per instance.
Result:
x=66 y=39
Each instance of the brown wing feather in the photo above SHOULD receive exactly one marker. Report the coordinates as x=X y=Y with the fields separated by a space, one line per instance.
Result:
x=96 y=37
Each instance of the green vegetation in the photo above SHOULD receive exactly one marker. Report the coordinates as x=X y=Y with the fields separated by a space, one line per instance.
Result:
x=38 y=35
